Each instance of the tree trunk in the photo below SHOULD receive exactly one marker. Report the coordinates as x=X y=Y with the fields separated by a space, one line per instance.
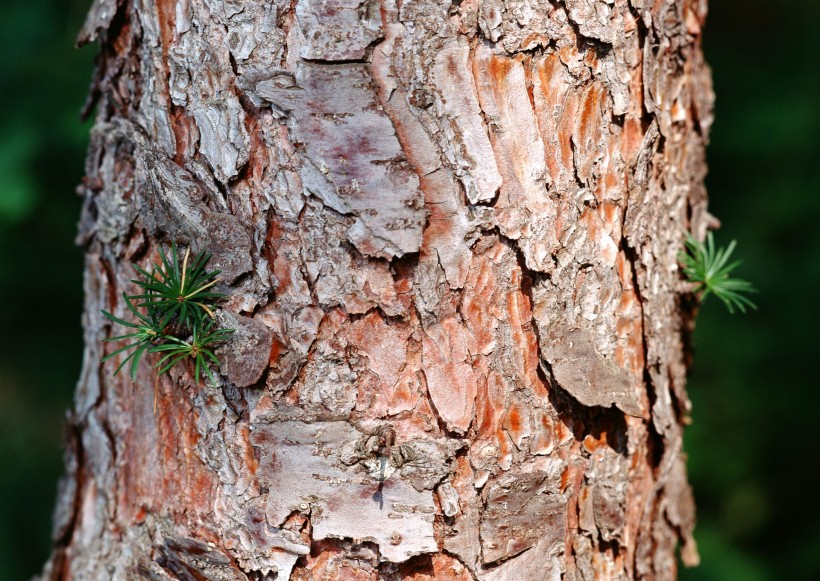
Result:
x=448 y=233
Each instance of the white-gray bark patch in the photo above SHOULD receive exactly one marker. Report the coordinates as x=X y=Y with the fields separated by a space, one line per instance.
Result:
x=301 y=468
x=353 y=160
x=199 y=82
x=475 y=163
x=338 y=29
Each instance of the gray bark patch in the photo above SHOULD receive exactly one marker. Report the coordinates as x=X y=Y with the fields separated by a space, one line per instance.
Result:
x=247 y=353
x=521 y=509
x=174 y=208
x=338 y=29
x=354 y=162
x=586 y=374
x=342 y=503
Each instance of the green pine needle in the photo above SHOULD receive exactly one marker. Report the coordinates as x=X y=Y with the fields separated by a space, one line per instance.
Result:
x=709 y=269
x=175 y=350
x=179 y=291
x=179 y=304
x=148 y=332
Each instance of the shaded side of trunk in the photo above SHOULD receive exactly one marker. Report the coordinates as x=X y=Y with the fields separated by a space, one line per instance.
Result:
x=448 y=233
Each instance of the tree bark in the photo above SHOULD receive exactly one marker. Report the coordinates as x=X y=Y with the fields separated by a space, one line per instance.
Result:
x=448 y=233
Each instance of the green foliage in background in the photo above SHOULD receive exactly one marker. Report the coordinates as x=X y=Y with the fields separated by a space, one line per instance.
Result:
x=751 y=445
x=753 y=384
x=43 y=82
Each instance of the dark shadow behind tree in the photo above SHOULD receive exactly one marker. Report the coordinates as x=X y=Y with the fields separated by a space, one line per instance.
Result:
x=43 y=82
x=753 y=385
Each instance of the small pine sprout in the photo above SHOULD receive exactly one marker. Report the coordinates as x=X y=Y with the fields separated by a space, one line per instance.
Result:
x=148 y=332
x=709 y=269
x=183 y=293
x=179 y=303
x=177 y=349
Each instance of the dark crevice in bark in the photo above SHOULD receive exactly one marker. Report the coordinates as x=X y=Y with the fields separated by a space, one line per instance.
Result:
x=235 y=398
x=220 y=187
x=232 y=62
x=612 y=545
x=566 y=406
x=656 y=442
x=581 y=39
x=680 y=413
x=74 y=444
x=389 y=319
x=655 y=449
x=575 y=155
x=242 y=174
x=402 y=267
x=660 y=146
x=239 y=282
x=94 y=88
x=418 y=565
x=688 y=305
x=591 y=421
x=332 y=62
x=610 y=422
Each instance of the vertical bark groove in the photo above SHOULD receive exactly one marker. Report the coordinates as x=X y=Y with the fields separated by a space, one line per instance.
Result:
x=448 y=235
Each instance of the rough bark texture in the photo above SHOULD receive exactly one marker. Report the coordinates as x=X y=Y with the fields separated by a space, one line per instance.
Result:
x=449 y=236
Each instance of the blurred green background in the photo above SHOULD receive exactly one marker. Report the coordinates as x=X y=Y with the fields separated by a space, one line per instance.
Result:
x=751 y=447
x=43 y=82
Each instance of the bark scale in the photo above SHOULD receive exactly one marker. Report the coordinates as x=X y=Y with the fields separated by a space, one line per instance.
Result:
x=448 y=232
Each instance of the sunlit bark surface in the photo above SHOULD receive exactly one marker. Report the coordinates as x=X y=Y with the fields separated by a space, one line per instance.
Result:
x=448 y=233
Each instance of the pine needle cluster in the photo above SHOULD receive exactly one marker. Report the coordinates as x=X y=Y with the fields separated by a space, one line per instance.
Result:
x=708 y=267
x=174 y=311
